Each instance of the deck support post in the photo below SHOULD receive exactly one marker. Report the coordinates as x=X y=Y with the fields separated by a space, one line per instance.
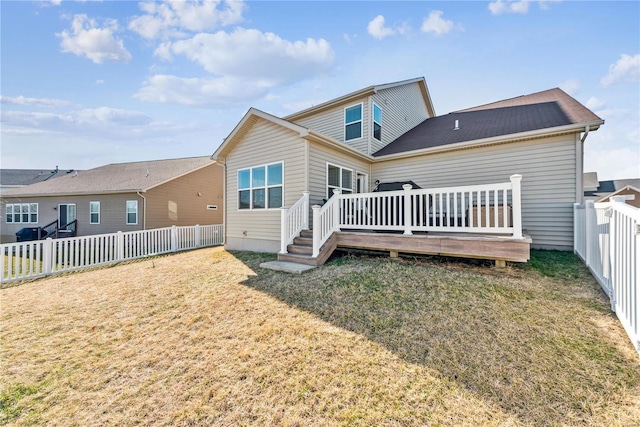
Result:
x=500 y=263
x=393 y=254
x=407 y=208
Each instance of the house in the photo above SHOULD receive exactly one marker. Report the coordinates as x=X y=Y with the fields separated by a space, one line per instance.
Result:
x=602 y=191
x=390 y=133
x=119 y=197
x=16 y=178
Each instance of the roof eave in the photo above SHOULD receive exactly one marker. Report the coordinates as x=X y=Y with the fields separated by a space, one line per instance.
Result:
x=69 y=194
x=330 y=104
x=579 y=127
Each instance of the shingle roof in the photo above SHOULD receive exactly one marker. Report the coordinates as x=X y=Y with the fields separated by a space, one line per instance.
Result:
x=115 y=178
x=542 y=110
x=20 y=177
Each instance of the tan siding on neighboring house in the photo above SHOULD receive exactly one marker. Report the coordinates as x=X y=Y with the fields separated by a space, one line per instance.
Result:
x=548 y=183
x=331 y=123
x=184 y=200
x=403 y=108
x=112 y=213
x=264 y=143
x=319 y=156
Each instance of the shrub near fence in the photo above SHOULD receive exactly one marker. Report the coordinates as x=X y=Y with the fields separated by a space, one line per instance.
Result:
x=607 y=238
x=26 y=260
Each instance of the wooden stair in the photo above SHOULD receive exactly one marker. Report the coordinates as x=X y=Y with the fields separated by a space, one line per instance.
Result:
x=302 y=248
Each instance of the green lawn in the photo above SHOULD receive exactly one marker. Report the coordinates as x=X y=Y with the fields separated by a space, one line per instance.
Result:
x=208 y=338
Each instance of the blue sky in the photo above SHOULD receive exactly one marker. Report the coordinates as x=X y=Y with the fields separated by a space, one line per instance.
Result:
x=86 y=83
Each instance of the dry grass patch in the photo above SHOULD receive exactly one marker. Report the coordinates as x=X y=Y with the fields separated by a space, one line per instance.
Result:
x=208 y=338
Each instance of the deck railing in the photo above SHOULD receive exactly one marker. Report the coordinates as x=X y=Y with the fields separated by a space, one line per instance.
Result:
x=607 y=238
x=26 y=260
x=293 y=220
x=487 y=209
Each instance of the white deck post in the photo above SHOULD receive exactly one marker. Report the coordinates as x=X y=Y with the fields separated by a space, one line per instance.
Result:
x=305 y=194
x=407 y=208
x=517 y=205
x=284 y=236
x=316 y=230
x=335 y=224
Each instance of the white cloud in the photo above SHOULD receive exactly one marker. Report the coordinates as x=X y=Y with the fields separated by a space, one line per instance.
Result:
x=434 y=23
x=214 y=92
x=171 y=18
x=594 y=103
x=377 y=29
x=263 y=60
x=97 y=44
x=499 y=7
x=571 y=86
x=56 y=2
x=620 y=163
x=626 y=69
x=34 y=102
x=100 y=82
x=74 y=119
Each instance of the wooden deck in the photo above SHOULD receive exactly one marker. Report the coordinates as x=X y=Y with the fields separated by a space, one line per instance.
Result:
x=498 y=248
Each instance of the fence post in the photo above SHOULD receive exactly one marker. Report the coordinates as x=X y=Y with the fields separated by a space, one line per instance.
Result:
x=119 y=246
x=407 y=208
x=316 y=230
x=197 y=235
x=575 y=228
x=47 y=256
x=516 y=201
x=589 y=225
x=174 y=238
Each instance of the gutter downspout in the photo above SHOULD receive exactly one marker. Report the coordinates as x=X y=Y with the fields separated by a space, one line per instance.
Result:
x=224 y=200
x=580 y=168
x=144 y=207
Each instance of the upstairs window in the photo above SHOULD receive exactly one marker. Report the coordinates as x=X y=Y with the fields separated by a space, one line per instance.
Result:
x=261 y=187
x=94 y=212
x=353 y=122
x=377 y=122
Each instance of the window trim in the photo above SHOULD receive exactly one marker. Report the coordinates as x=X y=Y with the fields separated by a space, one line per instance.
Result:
x=374 y=122
x=126 y=212
x=91 y=213
x=22 y=212
x=341 y=187
x=361 y=104
x=266 y=187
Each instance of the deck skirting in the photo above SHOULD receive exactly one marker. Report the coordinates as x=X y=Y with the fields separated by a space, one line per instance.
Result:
x=464 y=246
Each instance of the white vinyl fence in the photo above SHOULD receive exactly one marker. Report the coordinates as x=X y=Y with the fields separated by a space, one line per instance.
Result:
x=607 y=238
x=39 y=258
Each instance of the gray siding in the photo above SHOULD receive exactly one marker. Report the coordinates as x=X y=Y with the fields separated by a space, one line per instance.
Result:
x=112 y=213
x=264 y=143
x=548 y=185
x=331 y=123
x=403 y=108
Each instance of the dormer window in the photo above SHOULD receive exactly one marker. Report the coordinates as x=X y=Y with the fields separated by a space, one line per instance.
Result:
x=377 y=122
x=353 y=122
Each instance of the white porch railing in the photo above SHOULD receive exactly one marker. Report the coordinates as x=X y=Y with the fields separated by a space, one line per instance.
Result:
x=488 y=209
x=293 y=220
x=607 y=238
x=26 y=260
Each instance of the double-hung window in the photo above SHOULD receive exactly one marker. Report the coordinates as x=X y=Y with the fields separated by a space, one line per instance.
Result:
x=132 y=212
x=353 y=122
x=261 y=187
x=377 y=122
x=339 y=178
x=94 y=212
x=21 y=213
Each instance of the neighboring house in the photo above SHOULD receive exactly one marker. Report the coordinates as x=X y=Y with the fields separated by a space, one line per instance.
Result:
x=389 y=133
x=16 y=178
x=602 y=191
x=120 y=197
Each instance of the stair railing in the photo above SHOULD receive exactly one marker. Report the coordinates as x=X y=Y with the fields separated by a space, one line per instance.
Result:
x=326 y=220
x=293 y=220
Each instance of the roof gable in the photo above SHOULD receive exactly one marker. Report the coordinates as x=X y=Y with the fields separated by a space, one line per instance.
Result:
x=367 y=91
x=115 y=178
